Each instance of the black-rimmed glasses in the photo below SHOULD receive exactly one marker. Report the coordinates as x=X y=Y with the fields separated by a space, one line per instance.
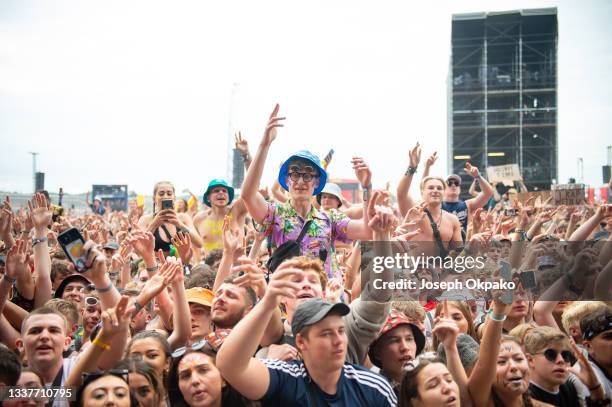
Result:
x=306 y=176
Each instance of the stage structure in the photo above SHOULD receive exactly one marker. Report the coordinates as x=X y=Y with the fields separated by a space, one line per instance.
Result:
x=502 y=93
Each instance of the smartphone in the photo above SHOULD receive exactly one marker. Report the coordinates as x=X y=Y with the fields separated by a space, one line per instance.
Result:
x=506 y=275
x=167 y=204
x=72 y=242
x=511 y=212
x=528 y=279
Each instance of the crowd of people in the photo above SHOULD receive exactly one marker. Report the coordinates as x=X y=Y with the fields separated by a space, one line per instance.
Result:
x=265 y=298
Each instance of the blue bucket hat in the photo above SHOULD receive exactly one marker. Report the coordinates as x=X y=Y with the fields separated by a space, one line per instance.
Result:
x=218 y=183
x=304 y=155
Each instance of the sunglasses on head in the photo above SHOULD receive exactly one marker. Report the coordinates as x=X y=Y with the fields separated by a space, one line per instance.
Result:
x=551 y=355
x=91 y=301
x=202 y=344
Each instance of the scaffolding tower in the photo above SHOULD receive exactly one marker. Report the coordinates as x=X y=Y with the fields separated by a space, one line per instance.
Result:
x=502 y=86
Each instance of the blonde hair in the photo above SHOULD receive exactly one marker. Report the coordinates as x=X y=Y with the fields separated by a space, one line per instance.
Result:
x=577 y=310
x=429 y=178
x=521 y=330
x=412 y=309
x=67 y=308
x=542 y=336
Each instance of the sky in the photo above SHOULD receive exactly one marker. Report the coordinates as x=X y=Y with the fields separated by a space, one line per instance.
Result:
x=137 y=92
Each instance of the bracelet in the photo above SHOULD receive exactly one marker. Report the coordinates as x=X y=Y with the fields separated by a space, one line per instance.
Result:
x=411 y=170
x=9 y=279
x=105 y=289
x=596 y=387
x=152 y=269
x=366 y=192
x=137 y=305
x=97 y=342
x=38 y=240
x=495 y=317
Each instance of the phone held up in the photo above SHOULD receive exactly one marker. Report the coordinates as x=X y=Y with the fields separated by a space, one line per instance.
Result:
x=72 y=242
x=167 y=204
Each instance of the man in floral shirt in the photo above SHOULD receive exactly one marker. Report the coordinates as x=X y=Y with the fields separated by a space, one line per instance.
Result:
x=303 y=176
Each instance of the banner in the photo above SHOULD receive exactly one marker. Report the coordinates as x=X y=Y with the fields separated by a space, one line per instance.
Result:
x=505 y=174
x=568 y=194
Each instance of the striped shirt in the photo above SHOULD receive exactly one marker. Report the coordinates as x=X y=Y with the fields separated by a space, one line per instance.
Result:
x=290 y=385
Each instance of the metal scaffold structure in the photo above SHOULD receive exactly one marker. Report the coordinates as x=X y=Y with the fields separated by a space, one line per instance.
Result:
x=503 y=93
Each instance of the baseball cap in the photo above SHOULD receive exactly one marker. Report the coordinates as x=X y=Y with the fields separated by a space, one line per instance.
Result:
x=305 y=155
x=111 y=246
x=200 y=295
x=395 y=319
x=70 y=279
x=312 y=311
x=454 y=177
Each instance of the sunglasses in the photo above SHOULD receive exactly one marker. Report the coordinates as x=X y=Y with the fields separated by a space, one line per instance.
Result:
x=91 y=301
x=202 y=344
x=551 y=355
x=306 y=176
x=451 y=183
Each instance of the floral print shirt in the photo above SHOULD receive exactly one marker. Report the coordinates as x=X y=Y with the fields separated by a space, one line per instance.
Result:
x=284 y=224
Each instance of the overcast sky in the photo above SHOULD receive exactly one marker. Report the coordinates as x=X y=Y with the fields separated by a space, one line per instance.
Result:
x=140 y=91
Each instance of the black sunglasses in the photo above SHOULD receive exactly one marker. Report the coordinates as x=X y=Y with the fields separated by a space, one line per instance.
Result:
x=551 y=355
x=450 y=183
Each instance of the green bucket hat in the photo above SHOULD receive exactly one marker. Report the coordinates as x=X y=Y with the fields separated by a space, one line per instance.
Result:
x=218 y=183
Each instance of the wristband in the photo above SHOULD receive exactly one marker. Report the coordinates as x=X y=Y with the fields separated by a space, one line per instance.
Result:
x=411 y=170
x=97 y=342
x=366 y=192
x=105 y=289
x=495 y=317
x=152 y=269
x=38 y=240
x=595 y=388
x=8 y=279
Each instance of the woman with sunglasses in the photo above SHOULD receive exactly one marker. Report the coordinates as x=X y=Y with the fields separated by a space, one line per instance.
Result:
x=144 y=382
x=194 y=379
x=303 y=176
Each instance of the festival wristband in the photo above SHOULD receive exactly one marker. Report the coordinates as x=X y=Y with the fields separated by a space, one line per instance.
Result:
x=495 y=317
x=105 y=289
x=97 y=342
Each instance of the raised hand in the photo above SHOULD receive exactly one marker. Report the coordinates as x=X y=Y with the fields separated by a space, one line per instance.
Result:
x=182 y=242
x=432 y=159
x=143 y=243
x=6 y=221
x=40 y=210
x=333 y=290
x=471 y=170
x=231 y=238
x=242 y=144
x=252 y=276
x=362 y=171
x=274 y=122
x=16 y=260
x=281 y=284
x=114 y=320
x=586 y=374
x=415 y=155
x=284 y=352
x=161 y=279
x=445 y=328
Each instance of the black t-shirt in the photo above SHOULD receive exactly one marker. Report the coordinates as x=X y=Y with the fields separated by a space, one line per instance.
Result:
x=567 y=395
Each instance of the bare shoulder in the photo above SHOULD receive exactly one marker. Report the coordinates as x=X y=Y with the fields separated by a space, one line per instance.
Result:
x=201 y=215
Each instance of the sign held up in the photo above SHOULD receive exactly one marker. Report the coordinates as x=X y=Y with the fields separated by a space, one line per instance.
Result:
x=505 y=174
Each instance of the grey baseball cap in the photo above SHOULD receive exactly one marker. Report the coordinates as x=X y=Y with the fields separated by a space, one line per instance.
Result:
x=313 y=311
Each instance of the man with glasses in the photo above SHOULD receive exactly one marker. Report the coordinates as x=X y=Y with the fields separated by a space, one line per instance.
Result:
x=303 y=176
